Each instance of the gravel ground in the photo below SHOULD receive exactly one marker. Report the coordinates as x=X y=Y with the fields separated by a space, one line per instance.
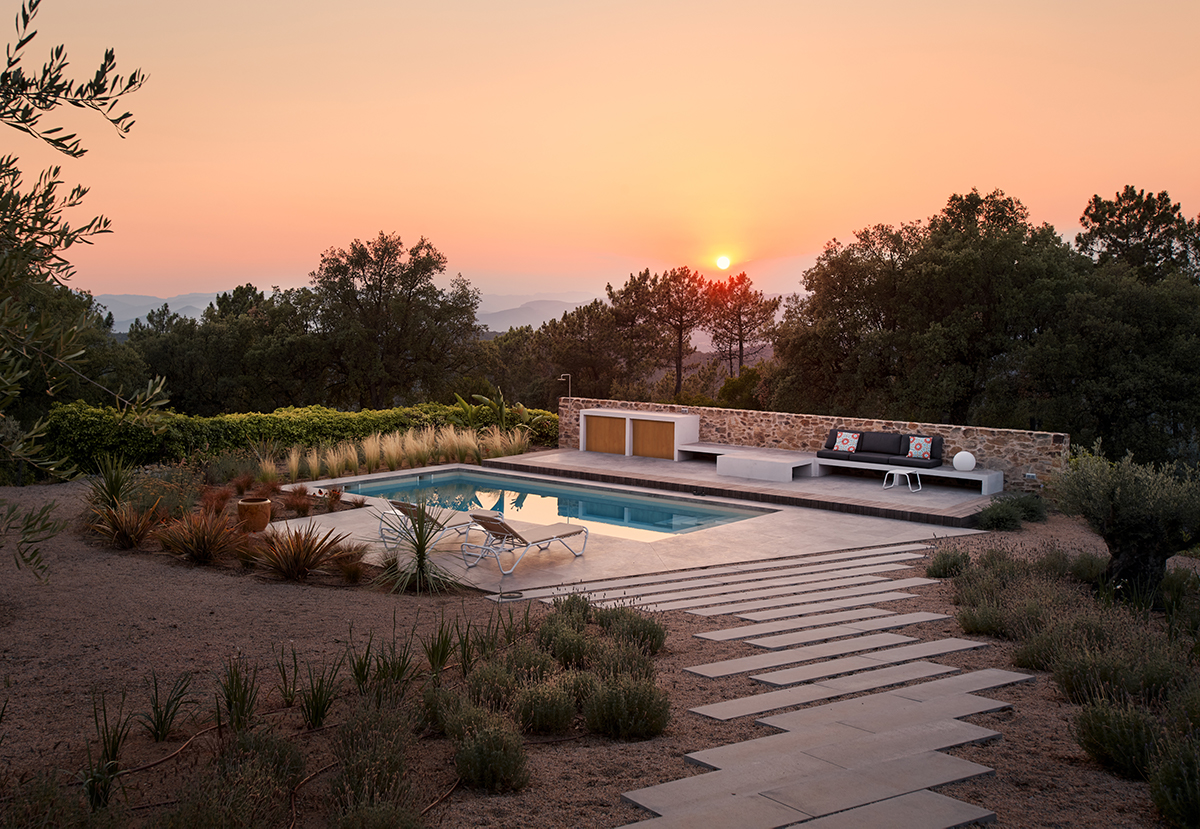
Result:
x=106 y=619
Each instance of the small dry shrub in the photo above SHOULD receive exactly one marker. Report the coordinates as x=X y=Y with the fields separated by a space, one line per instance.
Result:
x=372 y=753
x=201 y=538
x=214 y=499
x=615 y=659
x=357 y=502
x=333 y=498
x=491 y=685
x=1121 y=736
x=243 y=482
x=947 y=564
x=492 y=759
x=624 y=624
x=581 y=685
x=349 y=562
x=546 y=708
x=530 y=666
x=298 y=501
x=1175 y=784
x=627 y=708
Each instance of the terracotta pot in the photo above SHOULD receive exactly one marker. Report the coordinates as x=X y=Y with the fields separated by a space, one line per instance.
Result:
x=254 y=513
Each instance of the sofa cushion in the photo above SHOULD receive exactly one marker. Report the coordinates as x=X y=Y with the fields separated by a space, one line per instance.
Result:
x=919 y=446
x=920 y=463
x=847 y=441
x=882 y=443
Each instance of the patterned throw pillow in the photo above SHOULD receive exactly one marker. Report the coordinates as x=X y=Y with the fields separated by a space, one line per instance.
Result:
x=918 y=446
x=846 y=441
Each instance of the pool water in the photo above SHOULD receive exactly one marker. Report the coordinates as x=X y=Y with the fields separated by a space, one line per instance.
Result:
x=611 y=512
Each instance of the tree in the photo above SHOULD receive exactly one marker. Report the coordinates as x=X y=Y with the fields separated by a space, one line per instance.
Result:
x=679 y=304
x=33 y=238
x=1144 y=513
x=1148 y=233
x=641 y=341
x=739 y=320
x=394 y=336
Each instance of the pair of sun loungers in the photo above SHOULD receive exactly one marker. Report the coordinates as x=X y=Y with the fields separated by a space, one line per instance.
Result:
x=498 y=535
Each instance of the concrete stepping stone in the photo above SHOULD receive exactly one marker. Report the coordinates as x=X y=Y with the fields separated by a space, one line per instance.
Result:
x=918 y=810
x=552 y=592
x=786 y=588
x=843 y=744
x=729 y=667
x=968 y=683
x=814 y=571
x=747 y=631
x=883 y=711
x=793 y=611
x=760 y=611
x=811 y=692
x=825 y=794
x=748 y=812
x=849 y=629
x=908 y=653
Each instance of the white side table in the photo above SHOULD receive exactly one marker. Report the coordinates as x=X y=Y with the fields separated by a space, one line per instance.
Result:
x=894 y=476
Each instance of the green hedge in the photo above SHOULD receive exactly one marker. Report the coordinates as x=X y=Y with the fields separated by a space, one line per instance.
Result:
x=80 y=432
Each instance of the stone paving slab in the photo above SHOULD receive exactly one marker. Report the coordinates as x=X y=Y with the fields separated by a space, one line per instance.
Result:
x=792 y=611
x=728 y=667
x=789 y=590
x=843 y=744
x=743 y=609
x=967 y=683
x=798 y=695
x=747 y=587
x=848 y=629
x=885 y=711
x=824 y=794
x=749 y=812
x=907 y=653
x=735 y=781
x=721 y=582
x=747 y=631
x=918 y=810
x=549 y=593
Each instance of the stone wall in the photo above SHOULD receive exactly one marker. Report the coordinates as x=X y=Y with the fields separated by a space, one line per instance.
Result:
x=1014 y=452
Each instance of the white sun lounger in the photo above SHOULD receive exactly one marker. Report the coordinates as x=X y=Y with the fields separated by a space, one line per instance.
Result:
x=393 y=524
x=500 y=537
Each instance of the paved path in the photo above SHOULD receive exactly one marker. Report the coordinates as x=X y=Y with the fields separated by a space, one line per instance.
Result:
x=820 y=636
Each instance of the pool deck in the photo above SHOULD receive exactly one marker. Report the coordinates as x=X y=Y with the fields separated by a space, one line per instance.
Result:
x=782 y=531
x=858 y=494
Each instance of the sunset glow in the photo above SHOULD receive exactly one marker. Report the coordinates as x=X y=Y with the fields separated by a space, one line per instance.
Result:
x=541 y=144
x=722 y=262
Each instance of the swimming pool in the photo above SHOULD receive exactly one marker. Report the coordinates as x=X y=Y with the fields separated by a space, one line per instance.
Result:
x=611 y=512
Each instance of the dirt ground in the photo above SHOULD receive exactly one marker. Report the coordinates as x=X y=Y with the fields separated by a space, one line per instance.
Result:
x=106 y=619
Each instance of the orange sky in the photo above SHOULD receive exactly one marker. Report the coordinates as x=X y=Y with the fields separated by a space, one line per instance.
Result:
x=551 y=146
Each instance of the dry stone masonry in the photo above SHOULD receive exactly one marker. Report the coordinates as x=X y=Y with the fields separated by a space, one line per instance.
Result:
x=1015 y=452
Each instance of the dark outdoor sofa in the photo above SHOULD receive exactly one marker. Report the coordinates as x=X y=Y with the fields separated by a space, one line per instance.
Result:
x=883 y=447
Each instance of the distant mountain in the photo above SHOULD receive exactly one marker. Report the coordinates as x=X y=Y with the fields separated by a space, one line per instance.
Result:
x=498 y=312
x=530 y=313
x=126 y=308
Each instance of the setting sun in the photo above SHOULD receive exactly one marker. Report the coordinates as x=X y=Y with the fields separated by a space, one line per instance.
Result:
x=722 y=262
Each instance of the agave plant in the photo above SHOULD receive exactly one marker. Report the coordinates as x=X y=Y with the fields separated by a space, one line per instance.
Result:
x=295 y=553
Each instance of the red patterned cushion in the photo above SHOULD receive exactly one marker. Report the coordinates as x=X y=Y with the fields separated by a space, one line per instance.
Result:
x=918 y=446
x=846 y=441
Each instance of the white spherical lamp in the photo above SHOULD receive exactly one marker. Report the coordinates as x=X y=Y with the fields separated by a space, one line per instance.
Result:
x=964 y=461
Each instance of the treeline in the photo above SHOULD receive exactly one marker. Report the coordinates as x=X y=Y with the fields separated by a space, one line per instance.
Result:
x=975 y=316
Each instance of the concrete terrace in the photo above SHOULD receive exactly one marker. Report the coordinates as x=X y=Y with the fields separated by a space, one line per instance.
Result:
x=857 y=493
x=779 y=531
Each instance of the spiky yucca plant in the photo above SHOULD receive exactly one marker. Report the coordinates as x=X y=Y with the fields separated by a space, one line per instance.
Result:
x=418 y=572
x=293 y=554
x=201 y=538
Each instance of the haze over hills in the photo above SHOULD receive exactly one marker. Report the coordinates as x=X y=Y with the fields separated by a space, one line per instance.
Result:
x=498 y=312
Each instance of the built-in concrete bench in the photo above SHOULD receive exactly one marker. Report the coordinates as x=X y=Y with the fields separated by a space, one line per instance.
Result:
x=754 y=462
x=781 y=465
x=991 y=481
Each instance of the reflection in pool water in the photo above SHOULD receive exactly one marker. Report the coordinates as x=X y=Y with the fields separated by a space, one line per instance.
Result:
x=611 y=512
